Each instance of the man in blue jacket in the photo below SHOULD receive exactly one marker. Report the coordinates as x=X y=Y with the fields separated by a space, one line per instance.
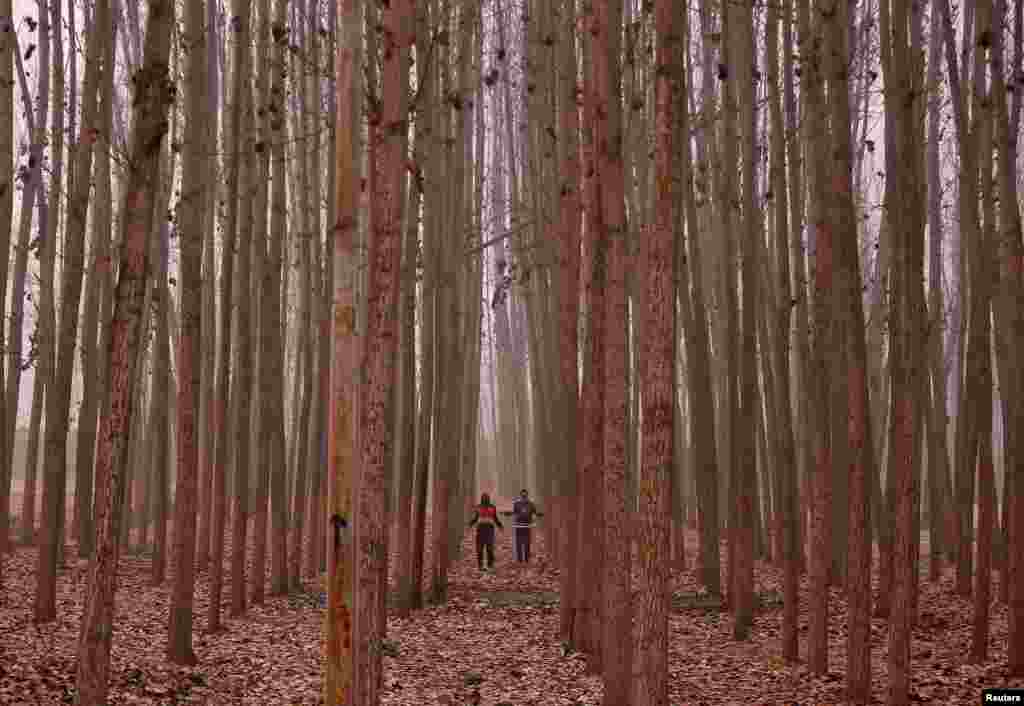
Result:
x=523 y=512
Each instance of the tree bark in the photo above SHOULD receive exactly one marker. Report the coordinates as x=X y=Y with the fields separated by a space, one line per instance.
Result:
x=786 y=468
x=586 y=632
x=207 y=438
x=616 y=610
x=744 y=434
x=153 y=96
x=264 y=342
x=569 y=313
x=657 y=384
x=159 y=409
x=342 y=433
x=273 y=416
x=190 y=239
x=1012 y=253
x=378 y=357
x=423 y=159
x=699 y=387
x=51 y=535
x=7 y=51
x=902 y=112
x=224 y=387
x=815 y=123
x=242 y=23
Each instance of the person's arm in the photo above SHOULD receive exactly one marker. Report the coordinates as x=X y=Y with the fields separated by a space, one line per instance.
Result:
x=497 y=519
x=476 y=516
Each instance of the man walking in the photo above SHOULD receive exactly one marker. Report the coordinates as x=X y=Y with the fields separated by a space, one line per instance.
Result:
x=523 y=512
x=485 y=517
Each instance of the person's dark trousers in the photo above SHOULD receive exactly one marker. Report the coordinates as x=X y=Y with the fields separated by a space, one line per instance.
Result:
x=523 y=544
x=485 y=543
x=484 y=552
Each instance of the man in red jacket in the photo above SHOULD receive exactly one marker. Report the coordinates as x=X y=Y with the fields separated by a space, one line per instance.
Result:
x=485 y=517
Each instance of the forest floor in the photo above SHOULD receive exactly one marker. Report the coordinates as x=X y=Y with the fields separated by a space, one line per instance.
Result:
x=495 y=642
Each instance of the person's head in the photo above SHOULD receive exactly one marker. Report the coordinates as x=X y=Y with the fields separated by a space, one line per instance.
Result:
x=485 y=499
x=523 y=494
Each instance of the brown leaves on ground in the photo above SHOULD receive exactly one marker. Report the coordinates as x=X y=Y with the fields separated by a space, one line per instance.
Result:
x=495 y=642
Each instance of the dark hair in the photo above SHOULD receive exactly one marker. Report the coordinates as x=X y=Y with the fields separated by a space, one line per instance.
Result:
x=485 y=499
x=523 y=492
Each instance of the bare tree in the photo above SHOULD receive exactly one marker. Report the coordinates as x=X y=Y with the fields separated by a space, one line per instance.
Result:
x=657 y=366
x=617 y=614
x=379 y=353
x=338 y=647
x=51 y=536
x=274 y=411
x=153 y=97
x=227 y=273
x=191 y=212
x=7 y=50
x=569 y=308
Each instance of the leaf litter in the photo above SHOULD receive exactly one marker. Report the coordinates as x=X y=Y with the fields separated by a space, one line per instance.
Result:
x=494 y=642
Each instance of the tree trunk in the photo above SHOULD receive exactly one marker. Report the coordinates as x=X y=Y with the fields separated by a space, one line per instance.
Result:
x=264 y=342
x=379 y=354
x=190 y=239
x=342 y=432
x=242 y=383
x=448 y=345
x=858 y=466
x=407 y=457
x=159 y=408
x=657 y=384
x=907 y=223
x=273 y=417
x=7 y=51
x=317 y=430
x=616 y=610
x=569 y=314
x=786 y=453
x=51 y=533
x=304 y=321
x=222 y=413
x=699 y=387
x=939 y=510
x=207 y=415
x=423 y=158
x=586 y=632
x=825 y=352
x=32 y=193
x=1012 y=254
x=152 y=99
x=744 y=434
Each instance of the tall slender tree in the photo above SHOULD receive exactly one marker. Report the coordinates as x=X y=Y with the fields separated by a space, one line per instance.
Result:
x=153 y=95
x=33 y=195
x=570 y=221
x=274 y=411
x=241 y=480
x=51 y=537
x=657 y=366
x=342 y=431
x=786 y=466
x=616 y=634
x=379 y=352
x=227 y=273
x=744 y=473
x=190 y=239
x=7 y=51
